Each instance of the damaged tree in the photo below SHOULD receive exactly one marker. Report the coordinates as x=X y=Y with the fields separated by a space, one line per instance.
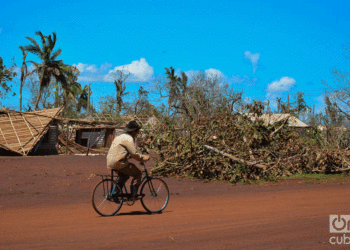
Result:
x=237 y=148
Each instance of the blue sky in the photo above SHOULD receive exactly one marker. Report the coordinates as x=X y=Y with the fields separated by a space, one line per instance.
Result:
x=268 y=49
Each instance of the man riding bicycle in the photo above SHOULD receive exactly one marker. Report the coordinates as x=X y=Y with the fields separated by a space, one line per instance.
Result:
x=122 y=148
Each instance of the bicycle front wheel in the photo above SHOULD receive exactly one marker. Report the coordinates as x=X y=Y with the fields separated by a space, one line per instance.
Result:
x=102 y=200
x=156 y=195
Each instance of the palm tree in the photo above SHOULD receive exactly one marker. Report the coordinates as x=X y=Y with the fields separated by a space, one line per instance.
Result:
x=24 y=71
x=6 y=74
x=172 y=85
x=120 y=89
x=83 y=99
x=71 y=89
x=49 y=66
x=74 y=96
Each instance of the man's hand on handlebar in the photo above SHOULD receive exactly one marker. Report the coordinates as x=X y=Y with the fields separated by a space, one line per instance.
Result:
x=145 y=157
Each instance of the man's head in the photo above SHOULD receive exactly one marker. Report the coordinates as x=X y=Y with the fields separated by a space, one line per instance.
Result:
x=132 y=128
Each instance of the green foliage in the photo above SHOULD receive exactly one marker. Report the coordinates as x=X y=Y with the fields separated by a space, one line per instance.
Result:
x=199 y=95
x=6 y=75
x=107 y=104
x=120 y=86
x=257 y=107
x=49 y=67
x=332 y=116
x=295 y=108
x=142 y=105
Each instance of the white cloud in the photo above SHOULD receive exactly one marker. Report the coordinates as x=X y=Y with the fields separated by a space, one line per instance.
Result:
x=213 y=73
x=140 y=71
x=92 y=73
x=208 y=73
x=253 y=58
x=90 y=78
x=106 y=66
x=189 y=73
x=284 y=84
x=86 y=67
x=91 y=68
x=80 y=66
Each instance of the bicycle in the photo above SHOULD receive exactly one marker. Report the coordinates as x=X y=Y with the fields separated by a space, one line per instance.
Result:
x=108 y=198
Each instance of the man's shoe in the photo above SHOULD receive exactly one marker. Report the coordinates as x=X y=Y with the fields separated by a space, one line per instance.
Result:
x=138 y=197
x=133 y=190
x=114 y=196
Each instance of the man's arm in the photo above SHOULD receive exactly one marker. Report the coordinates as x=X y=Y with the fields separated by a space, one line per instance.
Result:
x=130 y=147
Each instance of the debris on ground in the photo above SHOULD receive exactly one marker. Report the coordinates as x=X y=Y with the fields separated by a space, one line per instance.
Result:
x=236 y=148
x=75 y=148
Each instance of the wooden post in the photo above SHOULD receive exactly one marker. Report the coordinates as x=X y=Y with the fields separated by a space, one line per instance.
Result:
x=67 y=138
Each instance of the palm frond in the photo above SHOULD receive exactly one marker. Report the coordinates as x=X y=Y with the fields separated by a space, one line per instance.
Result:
x=52 y=41
x=24 y=52
x=43 y=39
x=35 y=44
x=36 y=65
x=56 y=54
x=33 y=49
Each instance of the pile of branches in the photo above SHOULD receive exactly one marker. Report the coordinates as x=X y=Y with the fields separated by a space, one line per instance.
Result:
x=237 y=148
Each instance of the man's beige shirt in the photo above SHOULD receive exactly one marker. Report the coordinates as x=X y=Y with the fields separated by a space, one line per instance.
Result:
x=122 y=147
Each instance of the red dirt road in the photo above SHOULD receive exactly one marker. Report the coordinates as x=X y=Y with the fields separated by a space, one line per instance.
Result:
x=45 y=203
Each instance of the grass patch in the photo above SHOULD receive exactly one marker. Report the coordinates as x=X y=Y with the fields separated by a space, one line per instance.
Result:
x=319 y=178
x=307 y=176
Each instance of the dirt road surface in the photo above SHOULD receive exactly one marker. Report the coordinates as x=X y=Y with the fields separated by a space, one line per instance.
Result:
x=45 y=203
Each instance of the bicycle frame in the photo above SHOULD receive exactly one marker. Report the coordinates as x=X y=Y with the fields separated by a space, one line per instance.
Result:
x=115 y=178
x=154 y=194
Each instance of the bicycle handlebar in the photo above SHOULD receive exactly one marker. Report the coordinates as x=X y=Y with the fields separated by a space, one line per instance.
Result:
x=144 y=150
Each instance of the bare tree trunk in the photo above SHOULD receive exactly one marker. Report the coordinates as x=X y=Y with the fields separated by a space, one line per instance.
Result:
x=40 y=90
x=38 y=99
x=20 y=96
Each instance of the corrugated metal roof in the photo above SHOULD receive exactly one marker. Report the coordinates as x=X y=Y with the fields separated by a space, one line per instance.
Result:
x=19 y=132
x=270 y=119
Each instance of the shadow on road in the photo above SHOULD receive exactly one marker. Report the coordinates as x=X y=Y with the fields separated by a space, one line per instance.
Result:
x=141 y=213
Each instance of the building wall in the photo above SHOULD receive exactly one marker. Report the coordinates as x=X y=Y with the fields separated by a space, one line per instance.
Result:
x=48 y=142
x=85 y=137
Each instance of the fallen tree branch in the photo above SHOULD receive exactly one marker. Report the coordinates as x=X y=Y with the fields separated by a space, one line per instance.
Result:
x=171 y=158
x=261 y=166
x=172 y=163
x=279 y=128
x=78 y=147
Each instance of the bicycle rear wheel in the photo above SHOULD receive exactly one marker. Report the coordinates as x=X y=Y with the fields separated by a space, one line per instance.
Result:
x=102 y=200
x=156 y=195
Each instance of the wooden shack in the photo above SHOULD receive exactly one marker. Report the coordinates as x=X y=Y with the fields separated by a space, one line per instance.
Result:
x=96 y=136
x=24 y=133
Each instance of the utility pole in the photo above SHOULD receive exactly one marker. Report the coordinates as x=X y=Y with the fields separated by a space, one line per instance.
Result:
x=287 y=103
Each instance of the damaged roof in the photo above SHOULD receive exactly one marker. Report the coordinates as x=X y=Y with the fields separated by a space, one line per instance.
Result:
x=20 y=132
x=270 y=119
